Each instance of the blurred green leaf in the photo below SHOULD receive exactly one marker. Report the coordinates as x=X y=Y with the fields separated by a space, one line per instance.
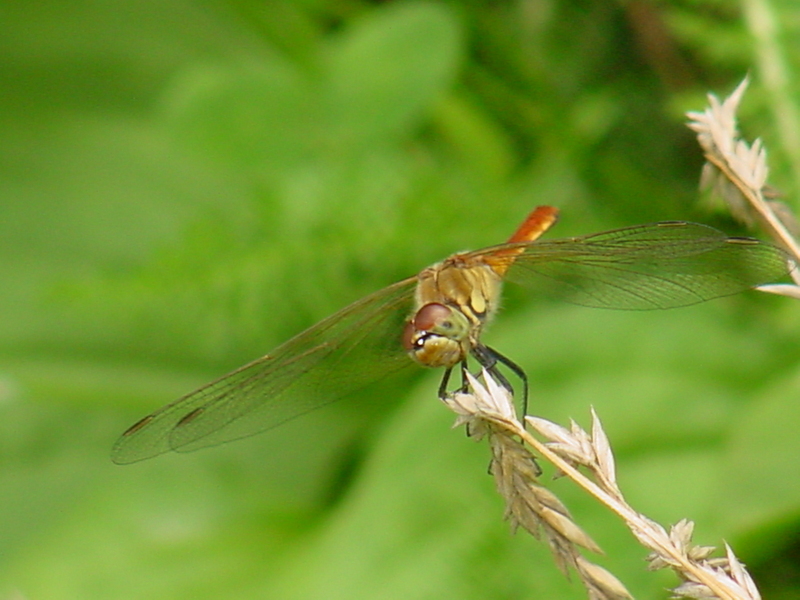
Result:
x=761 y=448
x=387 y=70
x=184 y=186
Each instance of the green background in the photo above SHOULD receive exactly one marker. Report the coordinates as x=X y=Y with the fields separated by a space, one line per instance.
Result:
x=184 y=185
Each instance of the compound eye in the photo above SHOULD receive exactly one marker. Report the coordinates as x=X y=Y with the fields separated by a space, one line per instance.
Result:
x=433 y=316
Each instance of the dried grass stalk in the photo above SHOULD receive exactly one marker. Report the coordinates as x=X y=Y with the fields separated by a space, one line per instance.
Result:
x=737 y=173
x=488 y=412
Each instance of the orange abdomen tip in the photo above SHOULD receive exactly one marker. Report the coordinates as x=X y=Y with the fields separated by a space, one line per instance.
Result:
x=540 y=220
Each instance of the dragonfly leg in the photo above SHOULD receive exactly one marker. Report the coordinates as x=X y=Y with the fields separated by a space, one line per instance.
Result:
x=464 y=381
x=518 y=371
x=446 y=379
x=443 y=385
x=489 y=357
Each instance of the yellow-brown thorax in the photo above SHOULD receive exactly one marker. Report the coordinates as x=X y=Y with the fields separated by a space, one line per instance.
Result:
x=454 y=299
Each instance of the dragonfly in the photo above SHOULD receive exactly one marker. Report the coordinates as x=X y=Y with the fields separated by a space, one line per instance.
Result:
x=437 y=317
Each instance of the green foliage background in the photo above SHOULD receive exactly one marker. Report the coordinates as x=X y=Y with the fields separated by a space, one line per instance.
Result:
x=183 y=185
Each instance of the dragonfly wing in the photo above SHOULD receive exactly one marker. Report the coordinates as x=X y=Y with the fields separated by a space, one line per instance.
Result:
x=339 y=355
x=662 y=265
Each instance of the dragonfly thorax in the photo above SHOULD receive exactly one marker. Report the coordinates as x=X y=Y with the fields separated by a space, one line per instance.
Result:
x=454 y=300
x=465 y=283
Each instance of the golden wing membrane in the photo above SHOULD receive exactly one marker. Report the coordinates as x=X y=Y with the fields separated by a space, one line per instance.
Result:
x=339 y=355
x=661 y=265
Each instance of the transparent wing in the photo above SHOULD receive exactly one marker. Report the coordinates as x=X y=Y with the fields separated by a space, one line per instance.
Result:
x=350 y=349
x=662 y=265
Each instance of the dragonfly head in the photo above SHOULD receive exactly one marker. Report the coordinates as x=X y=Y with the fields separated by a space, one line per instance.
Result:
x=437 y=336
